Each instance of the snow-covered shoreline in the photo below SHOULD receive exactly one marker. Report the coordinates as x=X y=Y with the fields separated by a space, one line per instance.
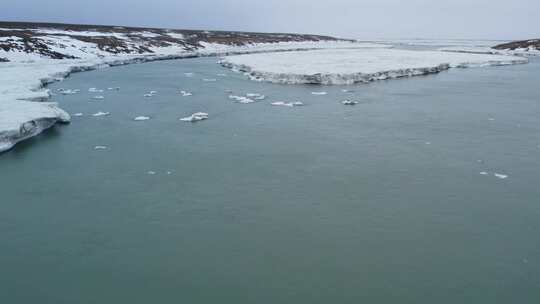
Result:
x=344 y=67
x=24 y=78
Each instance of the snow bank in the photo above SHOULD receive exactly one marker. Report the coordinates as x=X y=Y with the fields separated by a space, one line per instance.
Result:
x=349 y=66
x=20 y=120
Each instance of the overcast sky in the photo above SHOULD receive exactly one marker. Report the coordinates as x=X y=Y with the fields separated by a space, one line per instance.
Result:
x=364 y=19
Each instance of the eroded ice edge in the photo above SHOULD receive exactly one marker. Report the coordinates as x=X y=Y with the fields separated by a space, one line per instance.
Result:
x=350 y=66
x=24 y=77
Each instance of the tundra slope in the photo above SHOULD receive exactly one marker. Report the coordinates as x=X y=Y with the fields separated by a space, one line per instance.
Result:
x=35 y=54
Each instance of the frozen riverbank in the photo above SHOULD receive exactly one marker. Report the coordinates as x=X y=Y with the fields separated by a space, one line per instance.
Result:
x=33 y=57
x=340 y=66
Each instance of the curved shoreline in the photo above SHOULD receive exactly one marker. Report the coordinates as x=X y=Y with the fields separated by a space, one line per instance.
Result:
x=30 y=100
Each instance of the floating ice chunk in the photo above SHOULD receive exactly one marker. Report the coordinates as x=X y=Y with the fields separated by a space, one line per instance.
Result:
x=95 y=90
x=114 y=89
x=195 y=117
x=100 y=148
x=99 y=97
x=319 y=93
x=186 y=93
x=141 y=118
x=148 y=95
x=151 y=172
x=209 y=79
x=347 y=91
x=78 y=114
x=98 y=114
x=241 y=99
x=501 y=176
x=68 y=91
x=153 y=92
x=484 y=173
x=287 y=104
x=349 y=102
x=255 y=96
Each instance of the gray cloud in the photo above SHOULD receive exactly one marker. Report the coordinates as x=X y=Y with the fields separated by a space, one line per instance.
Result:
x=365 y=19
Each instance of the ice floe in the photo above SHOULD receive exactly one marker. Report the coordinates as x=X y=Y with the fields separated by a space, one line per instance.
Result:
x=68 y=91
x=319 y=93
x=241 y=99
x=114 y=89
x=287 y=104
x=99 y=97
x=150 y=94
x=95 y=90
x=141 y=118
x=349 y=66
x=195 y=117
x=349 y=102
x=99 y=114
x=78 y=114
x=209 y=79
x=256 y=96
x=186 y=93
x=100 y=148
x=500 y=176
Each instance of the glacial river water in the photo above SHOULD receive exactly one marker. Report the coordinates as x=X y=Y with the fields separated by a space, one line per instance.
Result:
x=382 y=202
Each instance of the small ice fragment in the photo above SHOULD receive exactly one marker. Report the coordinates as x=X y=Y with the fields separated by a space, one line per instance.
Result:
x=141 y=118
x=98 y=114
x=95 y=90
x=501 y=176
x=114 y=89
x=347 y=91
x=186 y=93
x=255 y=96
x=100 y=148
x=241 y=99
x=209 y=79
x=151 y=172
x=287 y=104
x=99 y=97
x=195 y=117
x=318 y=93
x=483 y=173
x=68 y=91
x=148 y=95
x=428 y=143
x=78 y=114
x=349 y=102
x=188 y=74
x=169 y=172
x=491 y=119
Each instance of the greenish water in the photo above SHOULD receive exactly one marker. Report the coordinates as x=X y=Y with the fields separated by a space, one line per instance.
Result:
x=318 y=204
